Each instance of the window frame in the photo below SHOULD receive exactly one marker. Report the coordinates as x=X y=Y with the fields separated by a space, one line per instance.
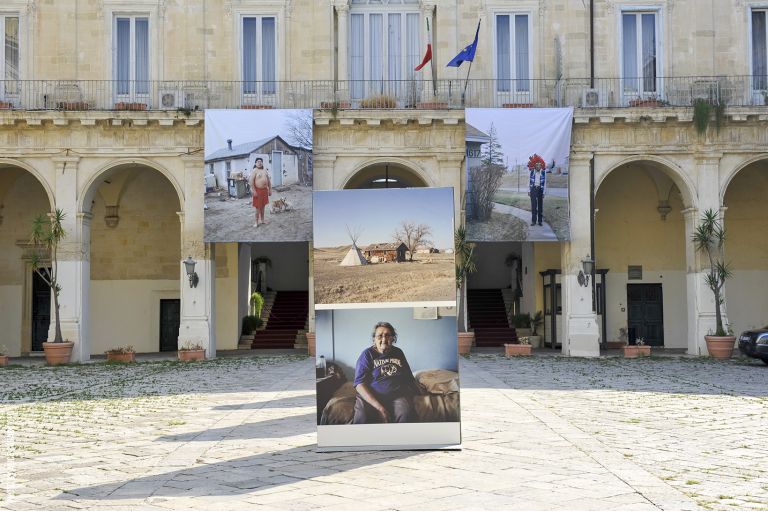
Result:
x=263 y=90
x=132 y=94
x=756 y=89
x=514 y=91
x=13 y=96
x=406 y=74
x=639 y=10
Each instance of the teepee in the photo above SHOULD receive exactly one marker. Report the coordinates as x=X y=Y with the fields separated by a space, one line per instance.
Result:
x=354 y=257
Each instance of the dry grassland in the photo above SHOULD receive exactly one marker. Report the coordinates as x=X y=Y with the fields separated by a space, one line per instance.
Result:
x=417 y=281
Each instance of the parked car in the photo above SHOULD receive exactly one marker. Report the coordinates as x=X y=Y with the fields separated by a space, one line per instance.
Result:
x=754 y=343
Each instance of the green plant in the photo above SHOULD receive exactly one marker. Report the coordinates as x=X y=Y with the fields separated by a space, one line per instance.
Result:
x=536 y=321
x=184 y=110
x=464 y=253
x=379 y=101
x=3 y=350
x=191 y=346
x=719 y=109
x=250 y=324
x=257 y=304
x=701 y=113
x=709 y=238
x=521 y=320
x=122 y=350
x=47 y=233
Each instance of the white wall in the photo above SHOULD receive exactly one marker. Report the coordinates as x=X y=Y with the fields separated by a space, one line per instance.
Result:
x=747 y=299
x=10 y=319
x=428 y=344
x=674 y=297
x=127 y=312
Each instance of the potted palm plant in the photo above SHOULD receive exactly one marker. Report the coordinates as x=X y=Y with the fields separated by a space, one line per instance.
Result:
x=536 y=321
x=47 y=233
x=190 y=352
x=709 y=238
x=121 y=354
x=464 y=252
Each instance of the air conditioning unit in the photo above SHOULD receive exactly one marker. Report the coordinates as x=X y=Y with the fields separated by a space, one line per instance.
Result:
x=591 y=98
x=170 y=99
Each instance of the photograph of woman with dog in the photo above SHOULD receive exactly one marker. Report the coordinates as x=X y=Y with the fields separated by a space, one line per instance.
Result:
x=258 y=175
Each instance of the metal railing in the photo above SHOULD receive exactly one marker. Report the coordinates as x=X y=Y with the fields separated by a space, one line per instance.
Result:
x=105 y=95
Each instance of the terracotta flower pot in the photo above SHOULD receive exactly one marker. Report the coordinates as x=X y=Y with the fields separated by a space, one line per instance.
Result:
x=191 y=355
x=311 y=338
x=57 y=353
x=517 y=350
x=121 y=357
x=466 y=339
x=720 y=347
x=633 y=351
x=3 y=360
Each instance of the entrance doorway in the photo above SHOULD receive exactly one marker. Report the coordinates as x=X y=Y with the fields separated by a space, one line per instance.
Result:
x=41 y=311
x=645 y=313
x=170 y=320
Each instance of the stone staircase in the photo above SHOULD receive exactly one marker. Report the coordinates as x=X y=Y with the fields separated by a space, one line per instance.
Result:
x=287 y=318
x=269 y=300
x=487 y=316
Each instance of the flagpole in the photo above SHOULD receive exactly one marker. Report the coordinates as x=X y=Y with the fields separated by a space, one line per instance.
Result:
x=431 y=62
x=466 y=81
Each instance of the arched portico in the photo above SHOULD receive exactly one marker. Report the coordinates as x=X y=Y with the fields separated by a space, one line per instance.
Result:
x=25 y=300
x=640 y=238
x=387 y=173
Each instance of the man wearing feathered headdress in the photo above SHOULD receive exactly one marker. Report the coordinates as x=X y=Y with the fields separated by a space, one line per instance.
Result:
x=537 y=184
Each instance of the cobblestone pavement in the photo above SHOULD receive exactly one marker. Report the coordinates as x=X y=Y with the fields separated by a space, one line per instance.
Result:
x=545 y=433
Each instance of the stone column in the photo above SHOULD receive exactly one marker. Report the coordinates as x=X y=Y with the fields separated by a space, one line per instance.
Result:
x=427 y=10
x=701 y=301
x=197 y=303
x=342 y=39
x=73 y=265
x=581 y=334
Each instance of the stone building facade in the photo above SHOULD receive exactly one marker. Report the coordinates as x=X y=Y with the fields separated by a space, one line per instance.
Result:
x=102 y=117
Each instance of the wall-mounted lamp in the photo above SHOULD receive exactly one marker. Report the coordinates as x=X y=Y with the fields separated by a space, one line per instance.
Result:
x=588 y=265
x=189 y=264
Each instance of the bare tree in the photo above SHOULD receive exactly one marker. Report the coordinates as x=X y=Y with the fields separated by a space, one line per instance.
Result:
x=412 y=235
x=484 y=182
x=299 y=127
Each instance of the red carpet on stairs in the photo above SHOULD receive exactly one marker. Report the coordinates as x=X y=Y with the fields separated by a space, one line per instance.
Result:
x=488 y=318
x=288 y=316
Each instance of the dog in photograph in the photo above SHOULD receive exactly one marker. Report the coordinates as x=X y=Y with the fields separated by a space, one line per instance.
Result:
x=280 y=205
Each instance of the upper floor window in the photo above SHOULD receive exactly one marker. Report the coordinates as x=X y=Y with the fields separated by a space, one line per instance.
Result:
x=259 y=55
x=759 y=53
x=9 y=59
x=639 y=52
x=132 y=55
x=384 y=47
x=513 y=58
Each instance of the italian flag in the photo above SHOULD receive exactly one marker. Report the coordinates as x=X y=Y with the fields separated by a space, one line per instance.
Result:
x=428 y=54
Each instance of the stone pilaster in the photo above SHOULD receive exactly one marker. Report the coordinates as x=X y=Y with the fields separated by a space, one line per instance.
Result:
x=342 y=39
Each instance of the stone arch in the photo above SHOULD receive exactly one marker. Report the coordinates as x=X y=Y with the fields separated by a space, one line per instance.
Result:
x=366 y=170
x=93 y=183
x=669 y=168
x=40 y=179
x=734 y=172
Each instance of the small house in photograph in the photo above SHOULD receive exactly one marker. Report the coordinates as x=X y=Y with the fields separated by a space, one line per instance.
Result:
x=294 y=163
x=385 y=252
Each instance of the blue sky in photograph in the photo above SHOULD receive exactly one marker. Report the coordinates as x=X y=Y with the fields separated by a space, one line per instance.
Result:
x=525 y=131
x=244 y=126
x=376 y=214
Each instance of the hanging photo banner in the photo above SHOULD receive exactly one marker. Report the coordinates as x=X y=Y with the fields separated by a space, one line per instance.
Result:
x=517 y=174
x=383 y=246
x=258 y=175
x=386 y=379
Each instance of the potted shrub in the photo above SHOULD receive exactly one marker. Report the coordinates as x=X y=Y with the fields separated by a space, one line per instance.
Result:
x=522 y=348
x=536 y=321
x=709 y=238
x=189 y=352
x=522 y=324
x=3 y=356
x=380 y=101
x=464 y=252
x=47 y=233
x=121 y=354
x=639 y=349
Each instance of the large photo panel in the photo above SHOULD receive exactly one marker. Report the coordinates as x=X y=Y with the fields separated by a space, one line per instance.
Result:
x=390 y=246
x=517 y=174
x=387 y=378
x=258 y=175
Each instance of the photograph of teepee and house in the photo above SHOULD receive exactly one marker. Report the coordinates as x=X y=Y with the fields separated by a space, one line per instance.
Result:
x=258 y=175
x=384 y=246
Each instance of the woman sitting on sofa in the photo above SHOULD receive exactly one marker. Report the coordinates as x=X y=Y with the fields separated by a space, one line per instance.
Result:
x=383 y=380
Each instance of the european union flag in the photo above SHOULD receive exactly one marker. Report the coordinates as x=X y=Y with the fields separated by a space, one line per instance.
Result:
x=467 y=54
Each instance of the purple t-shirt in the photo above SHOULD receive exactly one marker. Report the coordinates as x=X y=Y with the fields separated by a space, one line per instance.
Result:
x=387 y=374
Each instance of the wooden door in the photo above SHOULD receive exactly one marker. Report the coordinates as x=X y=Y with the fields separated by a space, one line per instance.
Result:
x=170 y=319
x=645 y=313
